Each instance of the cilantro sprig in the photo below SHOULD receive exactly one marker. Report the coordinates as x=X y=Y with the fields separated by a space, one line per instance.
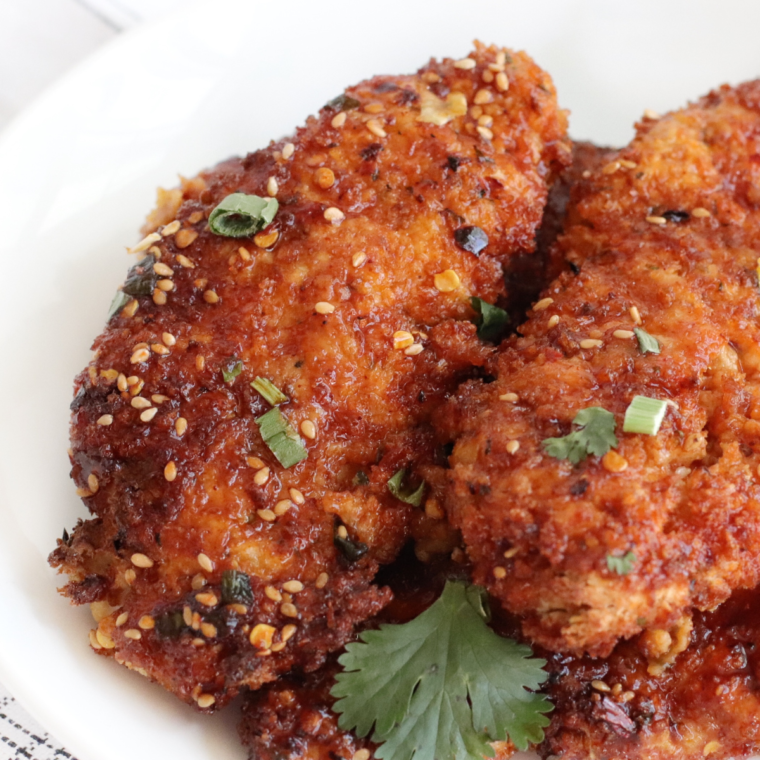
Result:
x=442 y=686
x=621 y=565
x=595 y=434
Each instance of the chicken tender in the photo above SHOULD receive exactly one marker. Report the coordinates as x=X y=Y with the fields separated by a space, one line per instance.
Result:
x=210 y=564
x=666 y=240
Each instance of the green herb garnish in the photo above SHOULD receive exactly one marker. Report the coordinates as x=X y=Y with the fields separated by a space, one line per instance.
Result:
x=361 y=478
x=236 y=588
x=170 y=624
x=410 y=497
x=120 y=300
x=141 y=279
x=351 y=550
x=232 y=369
x=281 y=439
x=644 y=415
x=240 y=215
x=269 y=391
x=647 y=344
x=491 y=321
x=442 y=686
x=343 y=102
x=621 y=565
x=595 y=435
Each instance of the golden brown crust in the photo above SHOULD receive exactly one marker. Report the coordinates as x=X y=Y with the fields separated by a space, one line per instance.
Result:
x=687 y=500
x=351 y=259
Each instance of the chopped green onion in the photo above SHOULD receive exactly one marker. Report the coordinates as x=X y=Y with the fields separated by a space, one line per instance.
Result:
x=644 y=415
x=232 y=370
x=240 y=215
x=351 y=550
x=410 y=497
x=236 y=587
x=647 y=344
x=621 y=565
x=170 y=624
x=281 y=439
x=361 y=479
x=120 y=300
x=491 y=321
x=269 y=391
x=343 y=102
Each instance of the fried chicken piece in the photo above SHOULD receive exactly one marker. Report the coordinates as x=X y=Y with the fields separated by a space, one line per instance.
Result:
x=212 y=566
x=705 y=705
x=667 y=239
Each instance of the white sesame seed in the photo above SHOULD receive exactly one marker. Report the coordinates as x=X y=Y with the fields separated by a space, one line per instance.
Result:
x=509 y=397
x=183 y=261
x=590 y=343
x=465 y=64
x=700 y=213
x=482 y=97
x=502 y=82
x=487 y=76
x=132 y=633
x=650 y=114
x=105 y=420
x=485 y=121
x=361 y=754
x=414 y=350
x=635 y=315
x=358 y=259
x=266 y=514
x=512 y=447
x=309 y=429
x=288 y=631
x=165 y=285
x=333 y=214
x=289 y=610
x=342 y=531
x=293 y=587
x=138 y=402
x=180 y=425
x=141 y=560
x=282 y=507
x=323 y=307
x=485 y=133
x=244 y=253
x=553 y=320
x=261 y=476
x=402 y=339
x=131 y=308
x=171 y=228
x=623 y=333
x=205 y=562
x=210 y=296
x=160 y=349
x=322 y=579
x=296 y=496
x=145 y=243
x=121 y=383
x=272 y=593
x=499 y=572
x=168 y=339
x=287 y=150
x=657 y=220
x=170 y=471
x=148 y=414
x=207 y=599
x=600 y=686
x=509 y=553
x=206 y=700
x=161 y=269
x=130 y=576
x=140 y=356
x=626 y=164
x=92 y=482
x=272 y=187
x=106 y=642
x=159 y=297
x=544 y=303
x=374 y=126
x=339 y=120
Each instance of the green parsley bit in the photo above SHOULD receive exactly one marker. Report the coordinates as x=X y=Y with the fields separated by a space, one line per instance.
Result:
x=491 y=321
x=240 y=215
x=647 y=344
x=644 y=415
x=410 y=497
x=120 y=300
x=621 y=565
x=442 y=686
x=269 y=391
x=236 y=588
x=232 y=370
x=595 y=435
x=281 y=439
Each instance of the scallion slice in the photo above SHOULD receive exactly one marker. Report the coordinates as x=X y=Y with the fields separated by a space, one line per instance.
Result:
x=232 y=369
x=269 y=391
x=410 y=497
x=281 y=439
x=240 y=215
x=647 y=344
x=644 y=415
x=120 y=300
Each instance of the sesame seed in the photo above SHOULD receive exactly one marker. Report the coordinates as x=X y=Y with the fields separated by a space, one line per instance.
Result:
x=374 y=108
x=287 y=150
x=187 y=615
x=590 y=343
x=322 y=579
x=333 y=214
x=159 y=297
x=130 y=309
x=105 y=420
x=261 y=476
x=141 y=560
x=130 y=576
x=182 y=260
x=339 y=120
x=168 y=339
x=266 y=240
x=145 y=243
x=210 y=296
x=241 y=609
x=700 y=213
x=282 y=507
x=198 y=582
x=293 y=587
x=171 y=228
x=261 y=636
x=485 y=121
x=165 y=285
x=160 y=349
x=656 y=220
x=140 y=356
x=132 y=633
x=710 y=747
x=161 y=269
x=122 y=619
x=600 y=686
x=288 y=632
x=623 y=333
x=180 y=426
x=487 y=76
x=156 y=251
x=496 y=67
x=266 y=514
x=509 y=553
x=106 y=642
x=92 y=482
x=374 y=126
x=502 y=82
x=482 y=97
x=205 y=562
x=206 y=700
x=323 y=307
x=613 y=462
x=358 y=259
x=626 y=164
x=650 y=114
x=617 y=688
x=309 y=429
x=544 y=303
x=170 y=471
x=447 y=281
x=508 y=397
x=342 y=532
x=465 y=64
x=84 y=492
x=635 y=315
x=499 y=573
x=296 y=496
x=414 y=350
x=289 y=609
x=402 y=339
x=121 y=383
x=361 y=754
x=430 y=77
x=512 y=447
x=138 y=402
x=184 y=238
x=207 y=598
x=325 y=177
x=485 y=133
x=200 y=362
x=553 y=321
x=148 y=414
x=146 y=622
x=198 y=643
x=273 y=594
x=272 y=187
x=254 y=462
x=476 y=112
x=611 y=168
x=244 y=254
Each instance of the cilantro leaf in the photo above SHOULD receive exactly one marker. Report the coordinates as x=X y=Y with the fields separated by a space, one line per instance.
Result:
x=595 y=435
x=410 y=497
x=647 y=343
x=491 y=321
x=231 y=369
x=442 y=686
x=621 y=565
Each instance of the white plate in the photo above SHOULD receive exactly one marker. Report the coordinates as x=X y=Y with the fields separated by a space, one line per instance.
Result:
x=77 y=175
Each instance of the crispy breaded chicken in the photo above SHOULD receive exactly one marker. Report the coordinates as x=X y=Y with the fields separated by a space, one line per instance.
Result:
x=667 y=240
x=210 y=565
